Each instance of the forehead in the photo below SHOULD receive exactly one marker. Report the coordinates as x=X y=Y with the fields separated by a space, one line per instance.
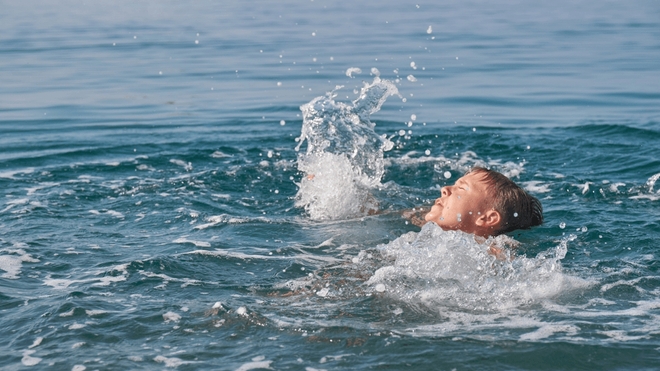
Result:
x=476 y=181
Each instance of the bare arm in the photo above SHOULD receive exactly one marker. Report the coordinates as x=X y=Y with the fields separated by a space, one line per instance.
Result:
x=416 y=215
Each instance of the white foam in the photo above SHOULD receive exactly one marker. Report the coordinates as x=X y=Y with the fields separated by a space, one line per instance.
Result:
x=144 y=167
x=116 y=214
x=650 y=197
x=97 y=312
x=614 y=187
x=585 y=187
x=105 y=279
x=241 y=311
x=549 y=330
x=185 y=281
x=536 y=186
x=12 y=203
x=13 y=263
x=186 y=165
x=169 y=361
x=28 y=360
x=77 y=326
x=9 y=174
x=36 y=342
x=171 y=317
x=449 y=269
x=228 y=219
x=312 y=258
x=32 y=190
x=651 y=181
x=255 y=365
x=184 y=240
x=620 y=336
x=78 y=368
x=220 y=154
x=69 y=313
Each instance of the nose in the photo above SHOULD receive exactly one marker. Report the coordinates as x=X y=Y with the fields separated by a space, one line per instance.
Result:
x=445 y=191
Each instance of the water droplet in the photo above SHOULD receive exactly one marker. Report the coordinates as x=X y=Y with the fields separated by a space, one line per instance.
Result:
x=584 y=229
x=282 y=122
x=402 y=132
x=196 y=41
x=413 y=65
x=410 y=123
x=279 y=83
x=427 y=152
x=350 y=71
x=458 y=217
x=429 y=30
x=413 y=117
x=562 y=225
x=447 y=175
x=411 y=78
x=515 y=215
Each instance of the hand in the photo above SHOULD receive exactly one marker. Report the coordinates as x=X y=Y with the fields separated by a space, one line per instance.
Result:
x=416 y=215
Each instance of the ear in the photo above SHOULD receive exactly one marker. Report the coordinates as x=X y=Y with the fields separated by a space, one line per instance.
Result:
x=490 y=219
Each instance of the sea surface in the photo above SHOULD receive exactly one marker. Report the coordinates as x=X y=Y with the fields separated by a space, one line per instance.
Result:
x=192 y=185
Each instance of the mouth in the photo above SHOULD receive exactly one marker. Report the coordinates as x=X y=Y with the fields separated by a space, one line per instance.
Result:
x=436 y=207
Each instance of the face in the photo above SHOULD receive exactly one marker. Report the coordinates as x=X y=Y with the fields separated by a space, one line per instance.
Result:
x=461 y=204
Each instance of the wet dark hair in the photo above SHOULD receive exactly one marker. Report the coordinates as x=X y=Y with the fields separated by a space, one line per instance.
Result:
x=518 y=209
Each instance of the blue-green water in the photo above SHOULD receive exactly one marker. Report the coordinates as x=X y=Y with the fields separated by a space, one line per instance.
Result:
x=153 y=213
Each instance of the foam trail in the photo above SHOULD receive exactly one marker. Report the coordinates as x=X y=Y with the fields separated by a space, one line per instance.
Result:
x=344 y=156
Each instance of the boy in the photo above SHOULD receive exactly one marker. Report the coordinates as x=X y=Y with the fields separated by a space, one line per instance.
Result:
x=485 y=203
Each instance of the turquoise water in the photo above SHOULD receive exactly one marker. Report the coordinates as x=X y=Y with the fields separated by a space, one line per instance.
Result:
x=155 y=214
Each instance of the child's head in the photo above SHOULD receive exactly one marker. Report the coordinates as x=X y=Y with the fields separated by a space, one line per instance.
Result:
x=486 y=203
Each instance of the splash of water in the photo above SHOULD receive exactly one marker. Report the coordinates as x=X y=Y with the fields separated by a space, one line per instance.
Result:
x=450 y=271
x=344 y=156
